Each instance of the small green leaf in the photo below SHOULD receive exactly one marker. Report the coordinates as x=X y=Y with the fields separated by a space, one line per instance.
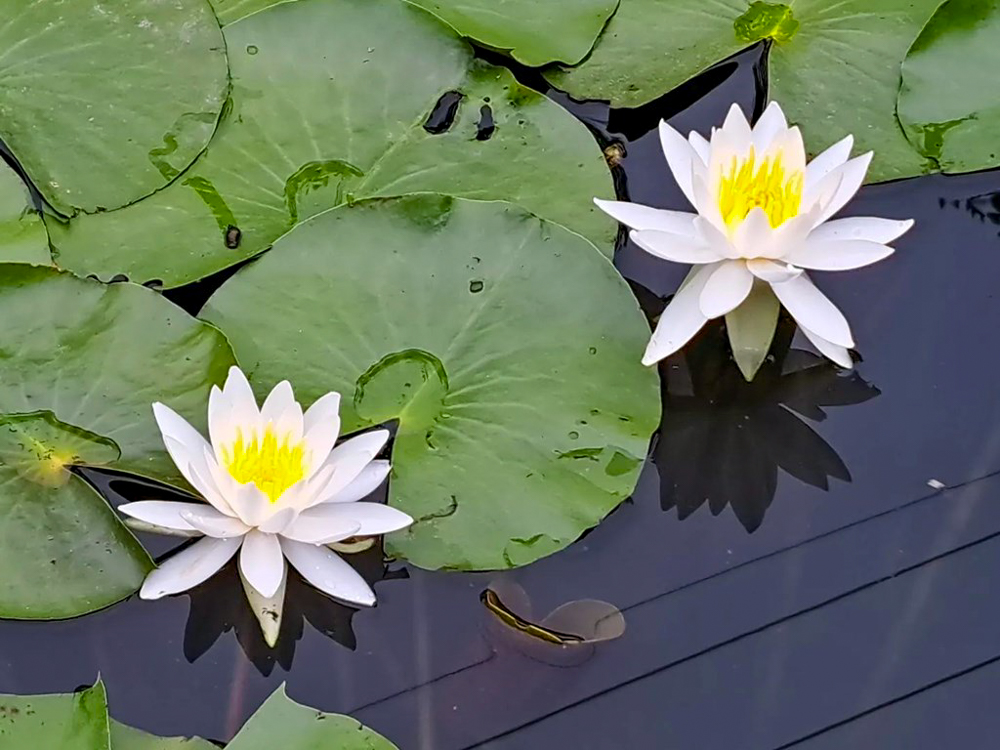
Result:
x=127 y=738
x=507 y=347
x=283 y=723
x=75 y=721
x=751 y=328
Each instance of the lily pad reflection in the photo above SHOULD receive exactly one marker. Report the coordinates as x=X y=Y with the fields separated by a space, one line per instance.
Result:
x=723 y=440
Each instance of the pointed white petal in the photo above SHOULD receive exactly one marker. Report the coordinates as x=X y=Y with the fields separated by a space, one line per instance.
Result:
x=681 y=319
x=862 y=228
x=790 y=146
x=675 y=247
x=211 y=522
x=373 y=519
x=364 y=484
x=680 y=158
x=319 y=526
x=172 y=425
x=268 y=609
x=838 y=255
x=853 y=174
x=278 y=522
x=737 y=127
x=831 y=351
x=773 y=272
x=716 y=239
x=725 y=289
x=164 y=513
x=188 y=449
x=203 y=479
x=771 y=124
x=700 y=146
x=151 y=528
x=754 y=237
x=327 y=572
x=189 y=567
x=348 y=460
x=828 y=161
x=636 y=216
x=812 y=310
x=252 y=505
x=261 y=562
x=321 y=425
x=240 y=395
x=284 y=412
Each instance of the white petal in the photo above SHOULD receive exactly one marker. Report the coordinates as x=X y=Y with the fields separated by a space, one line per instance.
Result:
x=231 y=409
x=812 y=310
x=151 y=528
x=252 y=505
x=374 y=519
x=321 y=426
x=681 y=319
x=737 y=128
x=636 y=216
x=838 y=255
x=204 y=473
x=754 y=237
x=770 y=124
x=716 y=239
x=278 y=522
x=319 y=526
x=364 y=484
x=828 y=160
x=165 y=513
x=675 y=247
x=189 y=567
x=680 y=158
x=838 y=354
x=853 y=174
x=188 y=449
x=283 y=411
x=773 y=272
x=211 y=522
x=790 y=146
x=862 y=228
x=327 y=572
x=268 y=609
x=725 y=289
x=348 y=460
x=700 y=146
x=261 y=562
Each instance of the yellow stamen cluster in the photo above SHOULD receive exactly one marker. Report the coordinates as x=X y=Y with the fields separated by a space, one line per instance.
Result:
x=273 y=465
x=747 y=185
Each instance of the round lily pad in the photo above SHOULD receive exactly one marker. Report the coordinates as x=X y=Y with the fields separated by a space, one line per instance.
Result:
x=535 y=32
x=955 y=125
x=507 y=347
x=834 y=67
x=335 y=102
x=104 y=102
x=83 y=364
x=23 y=237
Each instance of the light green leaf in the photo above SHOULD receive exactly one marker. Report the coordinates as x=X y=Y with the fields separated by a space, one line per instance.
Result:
x=96 y=357
x=283 y=723
x=948 y=117
x=535 y=32
x=23 y=238
x=104 y=102
x=751 y=328
x=330 y=102
x=230 y=11
x=508 y=348
x=127 y=738
x=76 y=721
x=834 y=67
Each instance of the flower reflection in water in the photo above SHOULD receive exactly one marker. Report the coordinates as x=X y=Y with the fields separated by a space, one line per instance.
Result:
x=723 y=439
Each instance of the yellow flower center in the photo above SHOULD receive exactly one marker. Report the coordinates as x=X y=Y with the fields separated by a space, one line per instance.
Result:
x=768 y=185
x=273 y=465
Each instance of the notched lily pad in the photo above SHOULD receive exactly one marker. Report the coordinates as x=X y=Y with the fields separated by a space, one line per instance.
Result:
x=535 y=32
x=75 y=721
x=41 y=449
x=126 y=738
x=23 y=238
x=507 y=347
x=104 y=102
x=330 y=103
x=948 y=118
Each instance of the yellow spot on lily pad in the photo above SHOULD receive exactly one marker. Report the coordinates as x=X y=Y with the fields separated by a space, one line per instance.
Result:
x=41 y=448
x=766 y=21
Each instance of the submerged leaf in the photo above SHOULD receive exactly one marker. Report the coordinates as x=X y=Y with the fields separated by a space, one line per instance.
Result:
x=331 y=104
x=948 y=118
x=508 y=348
x=104 y=102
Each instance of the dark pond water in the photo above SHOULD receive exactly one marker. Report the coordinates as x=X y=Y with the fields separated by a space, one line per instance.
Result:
x=787 y=574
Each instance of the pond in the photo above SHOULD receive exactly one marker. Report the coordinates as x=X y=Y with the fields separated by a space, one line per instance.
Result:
x=806 y=559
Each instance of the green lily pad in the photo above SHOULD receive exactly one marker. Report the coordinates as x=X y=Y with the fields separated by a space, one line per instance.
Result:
x=951 y=121
x=78 y=721
x=104 y=102
x=281 y=722
x=535 y=32
x=230 y=11
x=507 y=347
x=126 y=738
x=330 y=103
x=23 y=238
x=82 y=364
x=651 y=46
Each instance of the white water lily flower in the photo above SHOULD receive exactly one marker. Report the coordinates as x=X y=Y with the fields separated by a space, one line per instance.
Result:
x=276 y=489
x=763 y=214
